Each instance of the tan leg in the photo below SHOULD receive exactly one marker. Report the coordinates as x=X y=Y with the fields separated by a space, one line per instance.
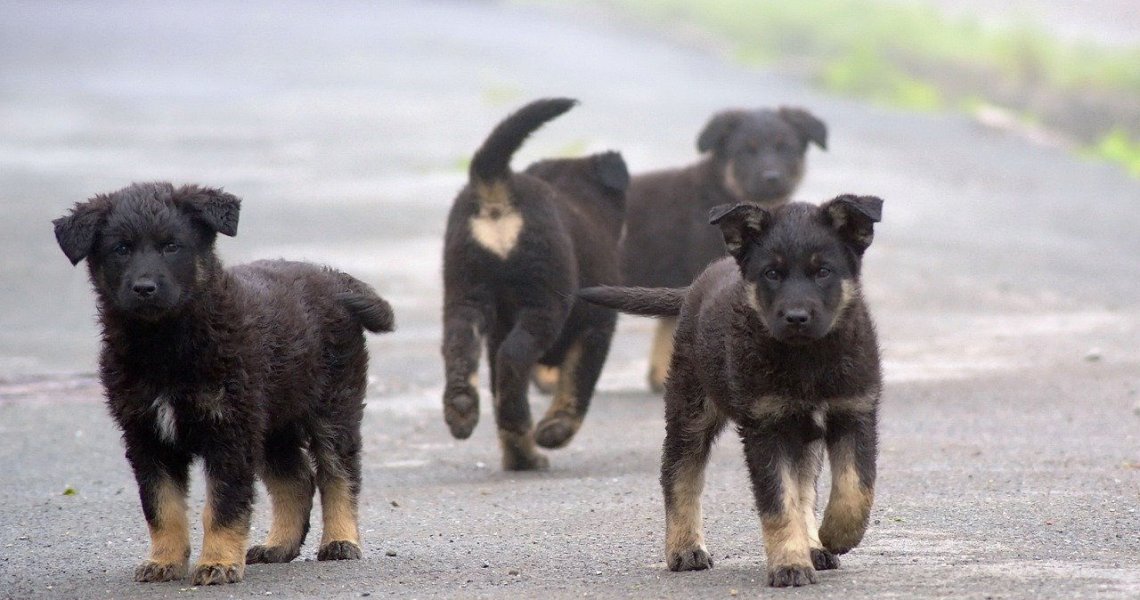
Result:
x=340 y=536
x=662 y=353
x=689 y=434
x=223 y=546
x=292 y=499
x=562 y=420
x=169 y=535
x=808 y=476
x=848 y=509
x=786 y=539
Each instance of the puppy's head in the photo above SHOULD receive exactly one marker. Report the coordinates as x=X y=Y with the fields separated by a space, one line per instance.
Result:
x=800 y=263
x=760 y=153
x=149 y=247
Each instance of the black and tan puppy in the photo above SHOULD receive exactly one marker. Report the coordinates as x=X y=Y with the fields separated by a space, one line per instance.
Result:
x=776 y=339
x=258 y=370
x=754 y=156
x=517 y=248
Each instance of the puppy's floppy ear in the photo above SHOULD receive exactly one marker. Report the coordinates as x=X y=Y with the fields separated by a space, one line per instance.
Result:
x=853 y=218
x=217 y=209
x=740 y=224
x=809 y=127
x=611 y=170
x=717 y=130
x=75 y=232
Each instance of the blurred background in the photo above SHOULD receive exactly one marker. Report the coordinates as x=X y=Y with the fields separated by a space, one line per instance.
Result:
x=347 y=128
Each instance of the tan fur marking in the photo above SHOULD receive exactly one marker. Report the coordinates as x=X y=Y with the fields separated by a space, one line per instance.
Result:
x=566 y=392
x=853 y=404
x=807 y=482
x=848 y=508
x=753 y=298
x=292 y=501
x=732 y=184
x=662 y=353
x=768 y=407
x=683 y=520
x=170 y=533
x=546 y=378
x=222 y=545
x=497 y=225
x=785 y=535
x=338 y=509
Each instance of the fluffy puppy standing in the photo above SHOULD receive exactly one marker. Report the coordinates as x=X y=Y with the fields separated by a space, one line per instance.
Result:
x=517 y=248
x=778 y=340
x=244 y=368
x=754 y=156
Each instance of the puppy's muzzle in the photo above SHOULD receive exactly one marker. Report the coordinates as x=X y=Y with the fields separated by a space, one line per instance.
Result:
x=144 y=288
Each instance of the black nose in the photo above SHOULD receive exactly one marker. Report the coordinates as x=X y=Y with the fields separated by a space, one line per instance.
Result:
x=771 y=177
x=797 y=316
x=144 y=288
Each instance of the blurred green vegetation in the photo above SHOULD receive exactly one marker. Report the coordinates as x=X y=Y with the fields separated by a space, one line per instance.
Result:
x=917 y=58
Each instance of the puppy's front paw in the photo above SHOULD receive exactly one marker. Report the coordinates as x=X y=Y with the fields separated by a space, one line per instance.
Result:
x=521 y=460
x=840 y=537
x=217 y=573
x=150 y=571
x=270 y=554
x=823 y=560
x=545 y=378
x=788 y=576
x=339 y=550
x=461 y=412
x=690 y=559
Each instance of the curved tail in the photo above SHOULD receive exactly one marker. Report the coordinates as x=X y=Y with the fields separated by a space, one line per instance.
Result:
x=492 y=161
x=649 y=302
x=370 y=310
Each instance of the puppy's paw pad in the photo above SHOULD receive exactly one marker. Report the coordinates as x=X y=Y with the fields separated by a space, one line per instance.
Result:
x=791 y=576
x=823 y=560
x=461 y=412
x=154 y=571
x=339 y=550
x=216 y=574
x=556 y=432
x=270 y=554
x=690 y=559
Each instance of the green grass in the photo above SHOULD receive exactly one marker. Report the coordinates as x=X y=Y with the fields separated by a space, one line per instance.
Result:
x=916 y=58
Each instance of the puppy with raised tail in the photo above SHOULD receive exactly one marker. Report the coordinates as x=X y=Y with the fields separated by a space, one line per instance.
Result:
x=777 y=339
x=257 y=370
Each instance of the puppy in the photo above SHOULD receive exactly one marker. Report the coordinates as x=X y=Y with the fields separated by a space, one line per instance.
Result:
x=244 y=368
x=753 y=156
x=517 y=247
x=777 y=340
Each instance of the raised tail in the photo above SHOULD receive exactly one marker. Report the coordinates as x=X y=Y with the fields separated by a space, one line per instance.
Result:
x=649 y=302
x=370 y=310
x=492 y=161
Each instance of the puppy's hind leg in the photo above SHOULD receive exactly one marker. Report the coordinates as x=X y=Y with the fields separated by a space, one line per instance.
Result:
x=692 y=424
x=662 y=353
x=532 y=334
x=463 y=326
x=578 y=376
x=289 y=480
x=337 y=454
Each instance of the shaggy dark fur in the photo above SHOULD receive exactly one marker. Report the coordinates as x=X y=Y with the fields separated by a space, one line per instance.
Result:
x=518 y=245
x=245 y=368
x=753 y=156
x=776 y=339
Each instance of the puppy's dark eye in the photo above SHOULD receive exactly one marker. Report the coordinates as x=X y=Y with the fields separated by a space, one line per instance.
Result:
x=121 y=249
x=823 y=273
x=170 y=248
x=772 y=275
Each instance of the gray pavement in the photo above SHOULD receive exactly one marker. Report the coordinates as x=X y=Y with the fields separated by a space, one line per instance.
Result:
x=1004 y=280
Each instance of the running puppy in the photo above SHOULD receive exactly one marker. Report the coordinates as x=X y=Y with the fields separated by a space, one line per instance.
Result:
x=517 y=248
x=245 y=368
x=776 y=339
x=754 y=156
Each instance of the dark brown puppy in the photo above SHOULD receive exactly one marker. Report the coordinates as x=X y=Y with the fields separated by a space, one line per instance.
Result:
x=778 y=340
x=245 y=368
x=518 y=245
x=753 y=156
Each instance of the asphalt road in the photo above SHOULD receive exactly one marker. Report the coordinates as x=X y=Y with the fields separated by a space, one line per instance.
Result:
x=1004 y=279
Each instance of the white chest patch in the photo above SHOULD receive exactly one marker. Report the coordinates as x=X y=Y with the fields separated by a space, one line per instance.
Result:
x=164 y=419
x=498 y=235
